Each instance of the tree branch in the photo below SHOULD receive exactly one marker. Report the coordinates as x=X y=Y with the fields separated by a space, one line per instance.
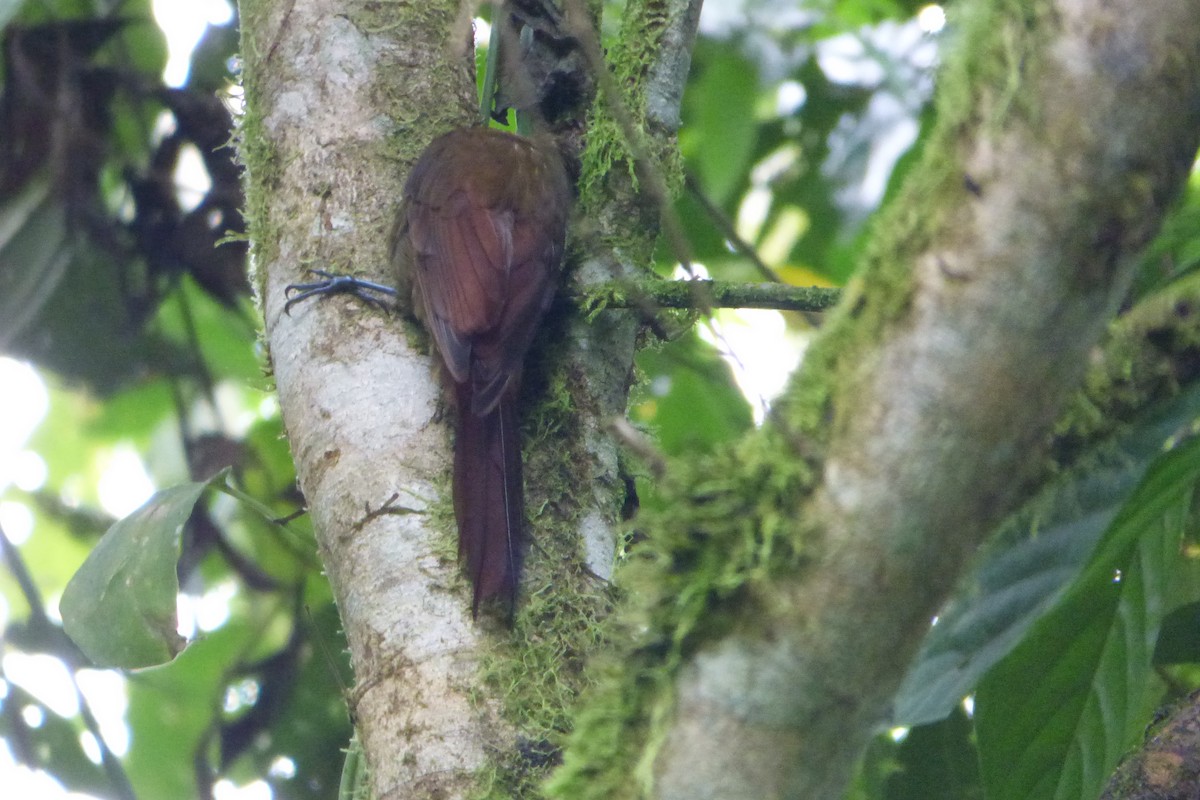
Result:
x=795 y=575
x=981 y=300
x=706 y=294
x=727 y=229
x=1166 y=766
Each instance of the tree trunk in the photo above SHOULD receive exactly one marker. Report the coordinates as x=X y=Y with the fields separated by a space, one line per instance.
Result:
x=339 y=103
x=327 y=138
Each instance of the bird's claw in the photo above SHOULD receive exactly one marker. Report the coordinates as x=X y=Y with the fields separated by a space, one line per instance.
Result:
x=334 y=283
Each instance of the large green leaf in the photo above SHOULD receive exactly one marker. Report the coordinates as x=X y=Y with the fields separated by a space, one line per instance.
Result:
x=224 y=336
x=85 y=331
x=120 y=606
x=1054 y=716
x=173 y=709
x=1024 y=572
x=721 y=137
x=1179 y=636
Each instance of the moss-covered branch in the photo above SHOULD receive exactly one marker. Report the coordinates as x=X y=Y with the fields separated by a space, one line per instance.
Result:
x=575 y=487
x=706 y=294
x=797 y=571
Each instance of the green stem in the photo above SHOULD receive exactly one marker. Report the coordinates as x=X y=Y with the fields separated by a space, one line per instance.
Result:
x=492 y=67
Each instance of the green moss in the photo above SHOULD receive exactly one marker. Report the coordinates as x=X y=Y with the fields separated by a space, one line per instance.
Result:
x=609 y=156
x=255 y=152
x=412 y=123
x=997 y=47
x=1148 y=357
x=536 y=668
x=537 y=673
x=725 y=529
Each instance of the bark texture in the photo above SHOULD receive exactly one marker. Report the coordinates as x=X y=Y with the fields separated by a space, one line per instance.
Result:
x=327 y=138
x=993 y=276
x=1167 y=765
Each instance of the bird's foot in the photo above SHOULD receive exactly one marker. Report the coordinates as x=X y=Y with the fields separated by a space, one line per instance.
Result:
x=333 y=283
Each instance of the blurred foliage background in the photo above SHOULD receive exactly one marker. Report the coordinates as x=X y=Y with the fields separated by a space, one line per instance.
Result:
x=129 y=363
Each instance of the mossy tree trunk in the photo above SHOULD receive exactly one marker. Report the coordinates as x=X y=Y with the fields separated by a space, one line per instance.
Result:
x=340 y=101
x=825 y=541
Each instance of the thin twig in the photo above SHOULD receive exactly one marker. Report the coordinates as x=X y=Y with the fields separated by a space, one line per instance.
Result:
x=637 y=443
x=727 y=229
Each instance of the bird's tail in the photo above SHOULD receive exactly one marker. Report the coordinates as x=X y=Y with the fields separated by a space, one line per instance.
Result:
x=488 y=501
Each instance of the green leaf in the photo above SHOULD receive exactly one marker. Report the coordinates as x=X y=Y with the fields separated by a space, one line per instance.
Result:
x=133 y=413
x=1023 y=572
x=120 y=606
x=143 y=42
x=1175 y=251
x=1179 y=637
x=224 y=336
x=174 y=709
x=1054 y=716
x=721 y=133
x=83 y=329
x=689 y=398
x=937 y=761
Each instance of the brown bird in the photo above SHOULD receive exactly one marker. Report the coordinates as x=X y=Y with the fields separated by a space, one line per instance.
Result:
x=481 y=234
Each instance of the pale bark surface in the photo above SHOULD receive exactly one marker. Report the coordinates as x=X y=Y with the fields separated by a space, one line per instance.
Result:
x=360 y=403
x=939 y=416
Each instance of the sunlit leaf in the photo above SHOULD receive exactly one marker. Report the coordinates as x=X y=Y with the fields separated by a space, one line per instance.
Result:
x=120 y=606
x=133 y=413
x=224 y=337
